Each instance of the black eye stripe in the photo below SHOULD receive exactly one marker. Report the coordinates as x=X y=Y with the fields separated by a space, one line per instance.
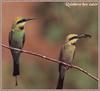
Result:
x=21 y=27
x=23 y=20
x=73 y=38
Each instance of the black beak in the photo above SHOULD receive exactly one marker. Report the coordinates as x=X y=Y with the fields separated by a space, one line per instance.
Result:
x=84 y=36
x=25 y=20
x=34 y=18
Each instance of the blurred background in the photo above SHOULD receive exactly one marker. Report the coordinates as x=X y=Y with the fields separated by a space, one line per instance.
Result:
x=46 y=37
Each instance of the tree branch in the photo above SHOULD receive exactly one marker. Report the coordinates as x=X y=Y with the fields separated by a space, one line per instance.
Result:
x=53 y=60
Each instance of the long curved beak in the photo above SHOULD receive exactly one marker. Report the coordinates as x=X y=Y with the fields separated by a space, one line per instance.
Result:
x=34 y=18
x=84 y=36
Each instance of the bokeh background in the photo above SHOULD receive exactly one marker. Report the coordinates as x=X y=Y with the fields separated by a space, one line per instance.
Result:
x=46 y=37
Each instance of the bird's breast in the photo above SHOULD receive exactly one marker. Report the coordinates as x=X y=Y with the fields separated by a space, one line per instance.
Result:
x=68 y=52
x=17 y=39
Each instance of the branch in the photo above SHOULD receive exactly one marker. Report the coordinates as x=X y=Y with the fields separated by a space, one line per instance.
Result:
x=53 y=60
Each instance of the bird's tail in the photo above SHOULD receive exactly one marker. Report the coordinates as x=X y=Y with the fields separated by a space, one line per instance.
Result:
x=60 y=82
x=16 y=66
x=16 y=69
x=61 y=77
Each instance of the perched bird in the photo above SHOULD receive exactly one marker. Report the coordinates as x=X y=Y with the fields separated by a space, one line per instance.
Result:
x=16 y=40
x=67 y=54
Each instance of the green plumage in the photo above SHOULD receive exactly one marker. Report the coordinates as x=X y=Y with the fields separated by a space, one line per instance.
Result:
x=16 y=40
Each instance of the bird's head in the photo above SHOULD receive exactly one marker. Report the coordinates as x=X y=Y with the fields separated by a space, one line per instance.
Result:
x=21 y=21
x=71 y=39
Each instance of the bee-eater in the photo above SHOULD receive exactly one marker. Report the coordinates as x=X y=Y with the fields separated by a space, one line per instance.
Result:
x=16 y=40
x=67 y=54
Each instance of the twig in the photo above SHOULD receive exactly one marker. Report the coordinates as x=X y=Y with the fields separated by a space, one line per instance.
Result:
x=53 y=60
x=84 y=71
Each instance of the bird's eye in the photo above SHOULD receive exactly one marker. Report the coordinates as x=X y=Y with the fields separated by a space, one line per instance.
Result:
x=23 y=20
x=22 y=27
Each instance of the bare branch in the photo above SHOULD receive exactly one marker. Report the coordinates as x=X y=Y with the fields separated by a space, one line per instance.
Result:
x=53 y=60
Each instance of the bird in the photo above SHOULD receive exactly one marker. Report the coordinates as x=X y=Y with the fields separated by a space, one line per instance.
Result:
x=17 y=40
x=66 y=55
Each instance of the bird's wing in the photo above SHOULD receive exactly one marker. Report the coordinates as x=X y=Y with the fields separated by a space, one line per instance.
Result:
x=60 y=59
x=10 y=37
x=60 y=55
x=73 y=55
x=23 y=40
